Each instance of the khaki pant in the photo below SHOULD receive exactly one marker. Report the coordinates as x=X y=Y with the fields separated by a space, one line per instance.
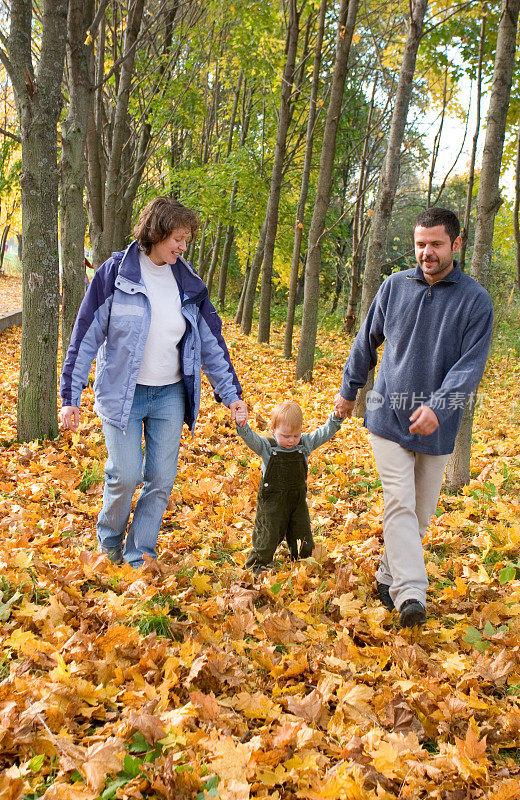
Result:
x=411 y=484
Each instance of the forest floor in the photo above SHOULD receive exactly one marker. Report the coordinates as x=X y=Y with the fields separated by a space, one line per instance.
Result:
x=10 y=292
x=191 y=678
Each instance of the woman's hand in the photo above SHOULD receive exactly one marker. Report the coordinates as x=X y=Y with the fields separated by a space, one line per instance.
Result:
x=69 y=417
x=239 y=412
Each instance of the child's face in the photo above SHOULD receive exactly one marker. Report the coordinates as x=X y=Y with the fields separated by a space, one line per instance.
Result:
x=286 y=436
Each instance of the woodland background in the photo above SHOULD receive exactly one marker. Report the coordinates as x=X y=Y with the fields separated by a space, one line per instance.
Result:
x=307 y=135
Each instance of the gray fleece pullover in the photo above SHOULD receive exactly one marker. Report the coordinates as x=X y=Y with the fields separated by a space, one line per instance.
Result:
x=436 y=344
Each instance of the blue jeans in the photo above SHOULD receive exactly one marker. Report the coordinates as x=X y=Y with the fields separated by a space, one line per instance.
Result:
x=159 y=410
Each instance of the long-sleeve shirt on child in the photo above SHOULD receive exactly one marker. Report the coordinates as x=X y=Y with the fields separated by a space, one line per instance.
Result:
x=308 y=442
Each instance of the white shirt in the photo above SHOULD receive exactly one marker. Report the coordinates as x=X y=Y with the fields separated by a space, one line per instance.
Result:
x=161 y=364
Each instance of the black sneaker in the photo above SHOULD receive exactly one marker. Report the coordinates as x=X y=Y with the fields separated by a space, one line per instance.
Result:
x=383 y=591
x=412 y=613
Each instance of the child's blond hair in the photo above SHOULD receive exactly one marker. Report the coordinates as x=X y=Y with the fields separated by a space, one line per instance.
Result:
x=288 y=413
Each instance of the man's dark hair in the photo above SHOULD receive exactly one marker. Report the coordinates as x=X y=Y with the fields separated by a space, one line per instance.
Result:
x=434 y=216
x=160 y=218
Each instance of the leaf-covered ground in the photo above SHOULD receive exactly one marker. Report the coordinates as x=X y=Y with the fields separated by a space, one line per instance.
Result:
x=192 y=679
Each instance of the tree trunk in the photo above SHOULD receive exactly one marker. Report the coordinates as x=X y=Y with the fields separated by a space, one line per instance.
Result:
x=346 y=22
x=240 y=309
x=389 y=178
x=119 y=133
x=256 y=266
x=488 y=199
x=230 y=231
x=201 y=262
x=361 y=226
x=109 y=142
x=3 y=240
x=516 y=212
x=72 y=167
x=437 y=139
x=284 y=116
x=38 y=103
x=457 y=468
x=95 y=152
x=214 y=258
x=304 y=189
x=226 y=252
x=471 y=171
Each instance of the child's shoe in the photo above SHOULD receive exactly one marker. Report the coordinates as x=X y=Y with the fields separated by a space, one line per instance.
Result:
x=307 y=546
x=257 y=569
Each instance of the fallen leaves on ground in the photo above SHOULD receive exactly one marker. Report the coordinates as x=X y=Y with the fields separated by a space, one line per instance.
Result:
x=191 y=678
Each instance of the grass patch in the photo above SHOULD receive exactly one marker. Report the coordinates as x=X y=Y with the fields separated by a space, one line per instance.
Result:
x=91 y=475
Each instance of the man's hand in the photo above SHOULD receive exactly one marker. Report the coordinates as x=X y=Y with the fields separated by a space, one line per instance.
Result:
x=343 y=408
x=424 y=421
x=239 y=412
x=69 y=417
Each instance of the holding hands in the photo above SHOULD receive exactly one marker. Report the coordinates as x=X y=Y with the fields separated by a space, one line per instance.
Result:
x=343 y=408
x=239 y=413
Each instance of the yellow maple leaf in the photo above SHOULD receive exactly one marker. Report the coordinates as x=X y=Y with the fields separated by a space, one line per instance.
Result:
x=23 y=641
x=386 y=759
x=455 y=664
x=257 y=706
x=201 y=583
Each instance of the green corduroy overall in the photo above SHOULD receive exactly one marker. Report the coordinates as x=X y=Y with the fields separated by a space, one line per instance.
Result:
x=282 y=511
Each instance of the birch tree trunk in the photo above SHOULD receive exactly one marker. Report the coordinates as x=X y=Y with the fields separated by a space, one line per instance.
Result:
x=38 y=103
x=488 y=203
x=284 y=116
x=389 y=179
x=346 y=22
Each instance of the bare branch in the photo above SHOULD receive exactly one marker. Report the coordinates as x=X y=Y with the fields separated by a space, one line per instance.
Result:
x=4 y=58
x=99 y=16
x=10 y=135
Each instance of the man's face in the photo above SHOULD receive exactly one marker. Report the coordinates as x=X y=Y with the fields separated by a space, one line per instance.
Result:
x=434 y=251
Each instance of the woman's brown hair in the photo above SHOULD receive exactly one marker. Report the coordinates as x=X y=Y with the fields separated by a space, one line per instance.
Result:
x=160 y=218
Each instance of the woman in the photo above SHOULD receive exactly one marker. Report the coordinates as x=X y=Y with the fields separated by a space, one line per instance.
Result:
x=148 y=320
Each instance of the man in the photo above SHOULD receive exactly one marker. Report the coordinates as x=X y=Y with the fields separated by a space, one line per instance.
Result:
x=436 y=323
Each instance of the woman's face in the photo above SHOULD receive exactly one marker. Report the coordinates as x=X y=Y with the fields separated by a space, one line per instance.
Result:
x=167 y=251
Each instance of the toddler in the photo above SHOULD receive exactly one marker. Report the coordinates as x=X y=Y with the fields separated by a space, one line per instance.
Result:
x=282 y=510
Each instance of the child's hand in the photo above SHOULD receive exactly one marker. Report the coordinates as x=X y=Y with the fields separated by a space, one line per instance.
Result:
x=241 y=416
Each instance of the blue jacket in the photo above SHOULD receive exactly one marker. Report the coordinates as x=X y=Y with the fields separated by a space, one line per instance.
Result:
x=436 y=344
x=112 y=325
